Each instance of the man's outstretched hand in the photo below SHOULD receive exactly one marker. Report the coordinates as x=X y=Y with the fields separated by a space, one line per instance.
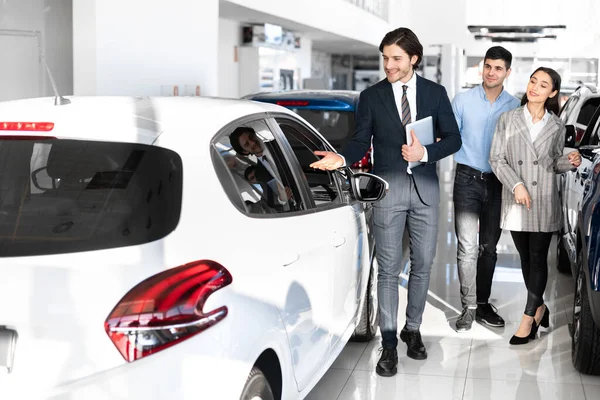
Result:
x=330 y=161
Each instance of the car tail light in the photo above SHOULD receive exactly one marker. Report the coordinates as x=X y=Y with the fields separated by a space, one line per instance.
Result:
x=292 y=103
x=27 y=126
x=166 y=309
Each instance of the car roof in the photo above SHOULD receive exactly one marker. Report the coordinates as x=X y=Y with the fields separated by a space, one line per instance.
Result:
x=347 y=96
x=141 y=119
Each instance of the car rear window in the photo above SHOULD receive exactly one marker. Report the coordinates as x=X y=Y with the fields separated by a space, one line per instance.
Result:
x=63 y=196
x=336 y=126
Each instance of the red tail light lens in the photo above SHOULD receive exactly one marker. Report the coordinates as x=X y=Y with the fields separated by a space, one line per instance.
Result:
x=27 y=126
x=292 y=103
x=166 y=309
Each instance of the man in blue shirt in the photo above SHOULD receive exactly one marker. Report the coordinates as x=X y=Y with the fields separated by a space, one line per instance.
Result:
x=477 y=191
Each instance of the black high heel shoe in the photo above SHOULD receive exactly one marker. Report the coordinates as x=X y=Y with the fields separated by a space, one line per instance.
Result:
x=545 y=322
x=517 y=340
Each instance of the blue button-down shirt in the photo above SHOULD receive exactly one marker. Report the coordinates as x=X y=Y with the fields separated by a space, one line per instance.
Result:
x=476 y=118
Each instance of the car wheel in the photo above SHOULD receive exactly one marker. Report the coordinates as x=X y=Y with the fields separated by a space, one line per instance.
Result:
x=585 y=349
x=257 y=387
x=368 y=318
x=562 y=257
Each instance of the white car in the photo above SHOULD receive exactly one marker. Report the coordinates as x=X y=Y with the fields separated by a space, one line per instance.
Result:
x=142 y=257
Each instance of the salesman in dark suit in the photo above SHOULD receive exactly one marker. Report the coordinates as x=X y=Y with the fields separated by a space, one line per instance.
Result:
x=383 y=112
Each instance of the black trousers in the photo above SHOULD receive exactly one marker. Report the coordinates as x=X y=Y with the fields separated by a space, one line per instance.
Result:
x=533 y=249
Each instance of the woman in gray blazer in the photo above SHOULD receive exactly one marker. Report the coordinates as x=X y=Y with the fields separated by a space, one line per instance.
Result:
x=526 y=155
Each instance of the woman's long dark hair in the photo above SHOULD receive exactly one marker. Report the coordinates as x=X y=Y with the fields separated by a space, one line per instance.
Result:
x=551 y=103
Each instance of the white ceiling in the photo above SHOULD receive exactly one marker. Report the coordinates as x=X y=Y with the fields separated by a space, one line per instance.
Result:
x=321 y=40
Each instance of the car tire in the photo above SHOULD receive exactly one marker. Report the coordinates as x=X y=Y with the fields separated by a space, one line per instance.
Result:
x=585 y=349
x=563 y=264
x=257 y=386
x=368 y=318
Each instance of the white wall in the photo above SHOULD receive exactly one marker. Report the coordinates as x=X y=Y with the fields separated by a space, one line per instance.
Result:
x=52 y=19
x=137 y=46
x=229 y=42
x=335 y=16
x=305 y=60
x=248 y=70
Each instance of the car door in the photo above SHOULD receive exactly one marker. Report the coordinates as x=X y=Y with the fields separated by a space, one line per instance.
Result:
x=575 y=180
x=340 y=216
x=284 y=246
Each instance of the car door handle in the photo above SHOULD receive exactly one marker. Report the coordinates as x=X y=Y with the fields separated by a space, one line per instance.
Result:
x=290 y=258
x=582 y=175
x=338 y=241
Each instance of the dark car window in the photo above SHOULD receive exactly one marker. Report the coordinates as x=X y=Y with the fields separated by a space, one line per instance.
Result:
x=335 y=126
x=253 y=172
x=64 y=196
x=323 y=185
x=588 y=136
x=587 y=111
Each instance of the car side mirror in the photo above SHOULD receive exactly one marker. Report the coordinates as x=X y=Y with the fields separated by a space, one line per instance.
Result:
x=368 y=188
x=570 y=136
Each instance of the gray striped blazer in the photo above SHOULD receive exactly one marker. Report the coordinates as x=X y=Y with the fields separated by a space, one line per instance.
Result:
x=515 y=158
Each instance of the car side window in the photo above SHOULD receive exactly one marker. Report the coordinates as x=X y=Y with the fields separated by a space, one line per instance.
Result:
x=595 y=140
x=253 y=170
x=568 y=108
x=588 y=136
x=323 y=184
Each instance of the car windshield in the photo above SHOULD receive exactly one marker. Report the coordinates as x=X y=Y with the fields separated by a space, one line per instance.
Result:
x=336 y=126
x=63 y=196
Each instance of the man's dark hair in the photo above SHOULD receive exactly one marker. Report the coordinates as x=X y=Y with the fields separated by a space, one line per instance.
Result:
x=499 y=53
x=234 y=139
x=406 y=40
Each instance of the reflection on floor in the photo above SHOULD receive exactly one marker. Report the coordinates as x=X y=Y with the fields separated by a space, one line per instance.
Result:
x=477 y=365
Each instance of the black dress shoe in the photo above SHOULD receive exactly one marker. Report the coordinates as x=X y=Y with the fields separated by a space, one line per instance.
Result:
x=388 y=362
x=416 y=348
x=488 y=314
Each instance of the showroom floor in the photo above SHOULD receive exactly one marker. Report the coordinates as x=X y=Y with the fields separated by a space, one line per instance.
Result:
x=477 y=365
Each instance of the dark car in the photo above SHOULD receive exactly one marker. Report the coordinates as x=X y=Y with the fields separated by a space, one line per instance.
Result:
x=579 y=245
x=331 y=112
x=580 y=115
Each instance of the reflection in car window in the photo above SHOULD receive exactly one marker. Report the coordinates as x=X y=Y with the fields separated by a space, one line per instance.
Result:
x=303 y=142
x=257 y=170
x=568 y=108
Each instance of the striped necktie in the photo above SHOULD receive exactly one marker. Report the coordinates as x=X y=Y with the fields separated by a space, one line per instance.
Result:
x=406 y=119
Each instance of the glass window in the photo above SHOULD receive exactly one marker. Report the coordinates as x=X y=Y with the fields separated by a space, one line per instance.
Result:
x=587 y=111
x=335 y=126
x=64 y=196
x=568 y=108
x=253 y=171
x=323 y=184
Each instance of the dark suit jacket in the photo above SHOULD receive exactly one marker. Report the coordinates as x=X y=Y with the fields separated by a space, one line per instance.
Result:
x=377 y=117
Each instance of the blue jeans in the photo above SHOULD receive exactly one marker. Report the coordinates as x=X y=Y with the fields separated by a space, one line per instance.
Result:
x=403 y=206
x=477 y=209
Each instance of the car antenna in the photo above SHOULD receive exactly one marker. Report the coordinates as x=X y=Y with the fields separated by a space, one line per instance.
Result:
x=58 y=99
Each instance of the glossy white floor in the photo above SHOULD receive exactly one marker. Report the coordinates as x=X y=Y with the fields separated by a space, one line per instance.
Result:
x=480 y=364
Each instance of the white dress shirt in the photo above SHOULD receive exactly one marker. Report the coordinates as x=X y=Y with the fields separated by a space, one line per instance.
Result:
x=411 y=96
x=535 y=128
